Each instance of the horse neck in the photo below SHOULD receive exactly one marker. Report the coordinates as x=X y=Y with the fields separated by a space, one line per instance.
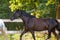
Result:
x=24 y=17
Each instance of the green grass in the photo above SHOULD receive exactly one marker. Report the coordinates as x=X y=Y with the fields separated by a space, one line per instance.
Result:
x=28 y=36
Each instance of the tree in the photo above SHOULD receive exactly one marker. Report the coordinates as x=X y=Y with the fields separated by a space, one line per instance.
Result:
x=39 y=8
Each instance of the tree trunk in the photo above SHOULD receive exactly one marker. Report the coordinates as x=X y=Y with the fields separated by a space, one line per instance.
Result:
x=58 y=10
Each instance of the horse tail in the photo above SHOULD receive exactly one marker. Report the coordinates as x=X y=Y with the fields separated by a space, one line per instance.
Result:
x=58 y=29
x=57 y=26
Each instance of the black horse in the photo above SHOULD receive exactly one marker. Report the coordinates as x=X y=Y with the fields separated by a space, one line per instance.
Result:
x=32 y=23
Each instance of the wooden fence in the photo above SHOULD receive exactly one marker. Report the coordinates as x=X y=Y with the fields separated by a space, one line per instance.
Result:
x=19 y=20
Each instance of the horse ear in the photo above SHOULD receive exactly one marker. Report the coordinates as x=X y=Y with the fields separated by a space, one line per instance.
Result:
x=17 y=9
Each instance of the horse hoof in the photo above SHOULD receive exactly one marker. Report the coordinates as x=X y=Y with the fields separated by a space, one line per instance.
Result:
x=47 y=39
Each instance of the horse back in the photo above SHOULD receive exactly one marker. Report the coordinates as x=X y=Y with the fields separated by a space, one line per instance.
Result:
x=37 y=24
x=41 y=24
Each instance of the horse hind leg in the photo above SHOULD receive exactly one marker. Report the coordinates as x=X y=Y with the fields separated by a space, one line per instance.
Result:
x=58 y=29
x=55 y=34
x=49 y=35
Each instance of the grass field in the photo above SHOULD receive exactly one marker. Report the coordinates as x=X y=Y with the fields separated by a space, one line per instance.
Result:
x=28 y=36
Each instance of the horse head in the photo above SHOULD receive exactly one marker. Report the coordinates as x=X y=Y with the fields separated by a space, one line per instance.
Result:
x=16 y=15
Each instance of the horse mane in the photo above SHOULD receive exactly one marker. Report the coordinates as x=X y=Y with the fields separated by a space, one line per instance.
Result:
x=25 y=13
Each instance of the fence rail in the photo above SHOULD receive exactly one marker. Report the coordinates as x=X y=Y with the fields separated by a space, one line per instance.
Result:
x=18 y=32
x=16 y=20
x=19 y=20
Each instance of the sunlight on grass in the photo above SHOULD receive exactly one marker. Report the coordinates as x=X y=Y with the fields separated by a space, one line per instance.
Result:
x=28 y=36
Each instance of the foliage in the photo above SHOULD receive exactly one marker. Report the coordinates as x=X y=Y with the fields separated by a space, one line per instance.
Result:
x=14 y=25
x=42 y=8
x=4 y=9
x=28 y=36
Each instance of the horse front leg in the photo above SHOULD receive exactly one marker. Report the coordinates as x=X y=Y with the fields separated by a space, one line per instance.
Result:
x=55 y=34
x=32 y=32
x=22 y=34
